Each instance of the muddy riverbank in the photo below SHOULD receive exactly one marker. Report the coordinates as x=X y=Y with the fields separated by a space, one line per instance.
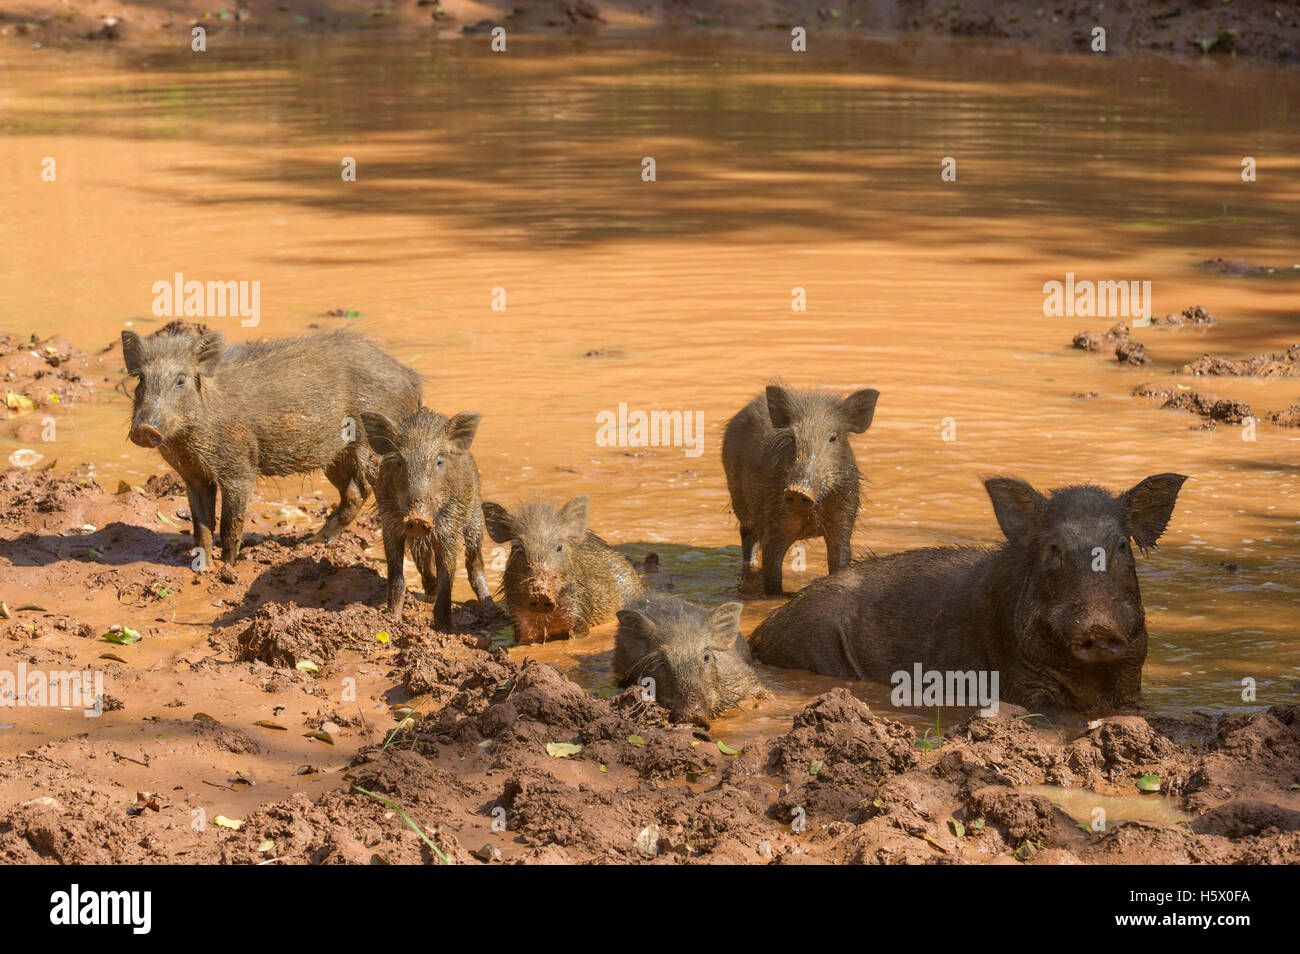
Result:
x=311 y=728
x=1264 y=30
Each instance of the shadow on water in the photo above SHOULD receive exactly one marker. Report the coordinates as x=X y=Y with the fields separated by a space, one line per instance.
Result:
x=547 y=150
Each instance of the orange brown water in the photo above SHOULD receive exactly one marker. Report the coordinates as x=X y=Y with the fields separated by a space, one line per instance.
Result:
x=523 y=172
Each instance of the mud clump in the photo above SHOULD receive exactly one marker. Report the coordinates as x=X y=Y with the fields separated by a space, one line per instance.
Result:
x=25 y=496
x=285 y=635
x=1095 y=341
x=1195 y=315
x=1240 y=267
x=1212 y=407
x=1283 y=365
x=1288 y=418
x=1132 y=353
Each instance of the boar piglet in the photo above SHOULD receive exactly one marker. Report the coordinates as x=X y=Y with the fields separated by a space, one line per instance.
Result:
x=560 y=579
x=792 y=474
x=697 y=658
x=1055 y=610
x=427 y=492
x=223 y=416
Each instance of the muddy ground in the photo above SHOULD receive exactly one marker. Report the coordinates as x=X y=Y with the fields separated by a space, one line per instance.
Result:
x=1194 y=27
x=270 y=695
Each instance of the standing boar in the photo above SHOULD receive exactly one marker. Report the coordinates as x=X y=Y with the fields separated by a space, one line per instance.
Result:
x=698 y=658
x=792 y=474
x=1055 y=610
x=223 y=416
x=561 y=578
x=428 y=497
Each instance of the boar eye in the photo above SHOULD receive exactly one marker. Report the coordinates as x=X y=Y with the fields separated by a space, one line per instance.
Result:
x=180 y=380
x=707 y=657
x=559 y=548
x=832 y=440
x=438 y=462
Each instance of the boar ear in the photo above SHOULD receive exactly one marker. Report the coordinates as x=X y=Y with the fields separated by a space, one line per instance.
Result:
x=858 y=409
x=638 y=623
x=380 y=432
x=1017 y=506
x=574 y=514
x=207 y=351
x=462 y=428
x=724 y=626
x=132 y=351
x=779 y=406
x=1148 y=507
x=500 y=525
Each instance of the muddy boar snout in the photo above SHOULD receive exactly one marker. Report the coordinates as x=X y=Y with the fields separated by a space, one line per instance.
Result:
x=1099 y=641
x=418 y=522
x=146 y=435
x=800 y=496
x=542 y=602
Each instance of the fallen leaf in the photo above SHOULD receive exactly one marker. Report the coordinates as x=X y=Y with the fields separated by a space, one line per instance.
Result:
x=232 y=823
x=562 y=750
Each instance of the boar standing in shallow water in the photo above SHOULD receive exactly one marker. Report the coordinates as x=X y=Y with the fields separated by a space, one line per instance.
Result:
x=223 y=416
x=560 y=578
x=792 y=474
x=698 y=658
x=1055 y=610
x=427 y=491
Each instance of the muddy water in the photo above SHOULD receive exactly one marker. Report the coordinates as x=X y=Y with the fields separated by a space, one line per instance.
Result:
x=523 y=173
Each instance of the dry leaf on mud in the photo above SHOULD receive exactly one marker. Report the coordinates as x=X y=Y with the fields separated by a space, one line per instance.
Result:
x=562 y=750
x=268 y=724
x=932 y=840
x=115 y=657
x=266 y=845
x=647 y=842
x=234 y=824
x=636 y=740
x=381 y=636
x=306 y=665
x=319 y=735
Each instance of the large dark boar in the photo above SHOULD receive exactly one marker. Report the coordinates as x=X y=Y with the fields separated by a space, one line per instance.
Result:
x=792 y=474
x=1055 y=610
x=698 y=658
x=560 y=578
x=428 y=497
x=223 y=416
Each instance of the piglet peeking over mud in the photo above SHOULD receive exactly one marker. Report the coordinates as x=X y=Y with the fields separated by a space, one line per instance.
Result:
x=561 y=579
x=1055 y=609
x=792 y=474
x=224 y=415
x=697 y=659
x=427 y=492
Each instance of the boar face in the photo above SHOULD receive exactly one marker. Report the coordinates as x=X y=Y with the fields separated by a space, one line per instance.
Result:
x=171 y=372
x=699 y=664
x=426 y=470
x=1079 y=601
x=811 y=449
x=543 y=540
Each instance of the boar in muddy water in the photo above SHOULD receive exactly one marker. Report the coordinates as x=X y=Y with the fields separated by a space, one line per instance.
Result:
x=427 y=493
x=792 y=474
x=223 y=415
x=1055 y=610
x=560 y=578
x=697 y=659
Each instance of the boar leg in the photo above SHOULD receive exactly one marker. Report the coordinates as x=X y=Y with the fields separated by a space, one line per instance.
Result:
x=394 y=555
x=839 y=538
x=774 y=547
x=474 y=567
x=748 y=547
x=445 y=558
x=203 y=514
x=234 y=504
x=353 y=491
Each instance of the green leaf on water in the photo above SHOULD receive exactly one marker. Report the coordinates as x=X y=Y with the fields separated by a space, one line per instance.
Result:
x=725 y=749
x=1149 y=783
x=122 y=635
x=957 y=828
x=562 y=750
x=352 y=313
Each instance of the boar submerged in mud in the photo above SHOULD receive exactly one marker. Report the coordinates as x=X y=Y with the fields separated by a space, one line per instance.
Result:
x=224 y=415
x=1056 y=609
x=427 y=493
x=698 y=658
x=560 y=578
x=792 y=474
